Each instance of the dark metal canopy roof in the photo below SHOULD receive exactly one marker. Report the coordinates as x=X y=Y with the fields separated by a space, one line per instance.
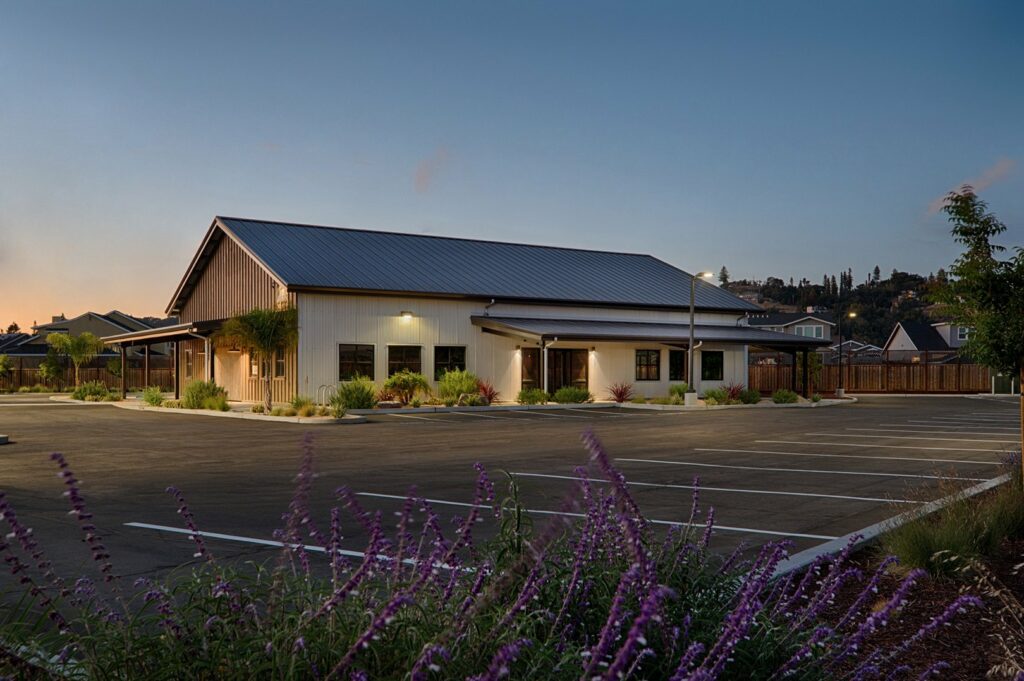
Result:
x=164 y=334
x=330 y=258
x=670 y=334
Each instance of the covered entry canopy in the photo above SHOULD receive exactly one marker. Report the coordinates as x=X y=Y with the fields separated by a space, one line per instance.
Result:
x=166 y=334
x=669 y=334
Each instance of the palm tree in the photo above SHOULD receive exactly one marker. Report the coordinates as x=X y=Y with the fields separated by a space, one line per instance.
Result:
x=80 y=349
x=261 y=332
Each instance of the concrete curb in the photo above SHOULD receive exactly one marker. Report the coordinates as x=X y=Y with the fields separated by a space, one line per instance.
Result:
x=870 y=534
x=497 y=407
x=346 y=420
x=760 y=405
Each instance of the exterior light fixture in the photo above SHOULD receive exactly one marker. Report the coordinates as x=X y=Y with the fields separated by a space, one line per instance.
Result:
x=405 y=314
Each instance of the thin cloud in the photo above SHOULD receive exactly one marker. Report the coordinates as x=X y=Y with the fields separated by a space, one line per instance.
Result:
x=428 y=169
x=992 y=174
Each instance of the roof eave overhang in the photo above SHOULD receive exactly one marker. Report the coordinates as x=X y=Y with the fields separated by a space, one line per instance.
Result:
x=165 y=334
x=483 y=297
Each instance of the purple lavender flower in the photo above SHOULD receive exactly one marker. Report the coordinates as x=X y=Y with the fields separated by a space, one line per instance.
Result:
x=502 y=660
x=186 y=514
x=428 y=662
x=383 y=618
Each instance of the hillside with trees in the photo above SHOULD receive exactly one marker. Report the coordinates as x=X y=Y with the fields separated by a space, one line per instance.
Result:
x=879 y=303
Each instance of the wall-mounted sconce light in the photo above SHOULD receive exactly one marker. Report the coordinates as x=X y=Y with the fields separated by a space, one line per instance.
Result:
x=406 y=314
x=593 y=348
x=519 y=347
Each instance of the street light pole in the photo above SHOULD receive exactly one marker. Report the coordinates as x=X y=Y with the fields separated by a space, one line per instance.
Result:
x=839 y=390
x=689 y=348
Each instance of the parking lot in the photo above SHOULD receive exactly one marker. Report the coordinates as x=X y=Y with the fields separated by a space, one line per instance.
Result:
x=808 y=475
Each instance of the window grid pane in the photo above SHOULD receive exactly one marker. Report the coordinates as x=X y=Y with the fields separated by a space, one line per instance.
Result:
x=404 y=357
x=355 y=360
x=712 y=365
x=448 y=358
x=648 y=365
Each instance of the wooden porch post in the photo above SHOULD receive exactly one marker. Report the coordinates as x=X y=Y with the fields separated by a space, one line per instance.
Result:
x=807 y=375
x=174 y=370
x=792 y=373
x=124 y=370
x=145 y=365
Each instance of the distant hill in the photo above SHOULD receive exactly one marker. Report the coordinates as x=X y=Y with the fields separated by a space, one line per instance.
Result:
x=879 y=303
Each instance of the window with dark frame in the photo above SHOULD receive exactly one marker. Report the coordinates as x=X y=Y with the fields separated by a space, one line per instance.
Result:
x=448 y=358
x=354 y=360
x=401 y=357
x=530 y=374
x=279 y=363
x=189 y=364
x=648 y=365
x=677 y=365
x=712 y=365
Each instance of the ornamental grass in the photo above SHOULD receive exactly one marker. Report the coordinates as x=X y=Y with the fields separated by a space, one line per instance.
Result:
x=596 y=592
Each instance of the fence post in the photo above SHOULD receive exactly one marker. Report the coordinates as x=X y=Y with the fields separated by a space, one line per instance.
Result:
x=926 y=372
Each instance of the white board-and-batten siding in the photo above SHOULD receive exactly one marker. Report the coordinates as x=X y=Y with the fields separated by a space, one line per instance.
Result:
x=327 y=320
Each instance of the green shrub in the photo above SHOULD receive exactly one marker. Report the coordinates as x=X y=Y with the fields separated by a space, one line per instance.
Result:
x=171 y=404
x=454 y=386
x=474 y=401
x=216 y=403
x=662 y=400
x=416 y=403
x=783 y=396
x=639 y=399
x=325 y=411
x=299 y=402
x=306 y=410
x=569 y=394
x=40 y=388
x=968 y=528
x=532 y=396
x=406 y=384
x=153 y=396
x=679 y=389
x=283 y=411
x=715 y=396
x=24 y=389
x=197 y=393
x=815 y=398
x=94 y=389
x=359 y=393
x=750 y=396
x=258 y=409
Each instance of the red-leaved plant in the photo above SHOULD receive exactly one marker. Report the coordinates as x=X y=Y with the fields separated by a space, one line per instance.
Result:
x=488 y=391
x=621 y=392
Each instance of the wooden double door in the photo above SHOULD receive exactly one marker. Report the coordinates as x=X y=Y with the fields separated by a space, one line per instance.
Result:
x=566 y=367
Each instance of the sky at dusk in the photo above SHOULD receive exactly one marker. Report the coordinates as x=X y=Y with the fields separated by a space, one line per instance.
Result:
x=782 y=138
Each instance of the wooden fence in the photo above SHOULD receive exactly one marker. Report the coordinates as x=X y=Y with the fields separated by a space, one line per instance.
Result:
x=884 y=377
x=135 y=377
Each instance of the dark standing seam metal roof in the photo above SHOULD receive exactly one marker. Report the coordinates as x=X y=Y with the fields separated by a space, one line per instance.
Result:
x=587 y=329
x=306 y=256
x=924 y=336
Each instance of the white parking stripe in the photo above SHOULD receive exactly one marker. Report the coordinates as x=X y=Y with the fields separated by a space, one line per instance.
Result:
x=798 y=470
x=851 y=444
x=554 y=416
x=418 y=418
x=917 y=429
x=974 y=419
x=724 y=528
x=472 y=413
x=601 y=414
x=847 y=456
x=950 y=425
x=708 y=488
x=911 y=437
x=270 y=542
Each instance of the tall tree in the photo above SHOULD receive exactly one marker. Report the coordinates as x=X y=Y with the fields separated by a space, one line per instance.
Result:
x=876 y=275
x=13 y=327
x=262 y=332
x=80 y=349
x=985 y=293
x=723 y=276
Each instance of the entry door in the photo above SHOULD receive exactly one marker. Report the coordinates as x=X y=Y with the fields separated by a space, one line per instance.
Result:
x=567 y=367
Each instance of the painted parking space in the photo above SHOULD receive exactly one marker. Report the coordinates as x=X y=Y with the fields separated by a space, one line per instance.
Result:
x=768 y=474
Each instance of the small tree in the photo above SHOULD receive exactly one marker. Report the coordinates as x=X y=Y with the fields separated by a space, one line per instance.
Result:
x=80 y=349
x=6 y=366
x=51 y=369
x=984 y=293
x=723 y=276
x=13 y=327
x=261 y=332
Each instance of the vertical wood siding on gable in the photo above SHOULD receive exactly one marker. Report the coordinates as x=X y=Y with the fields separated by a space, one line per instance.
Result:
x=233 y=283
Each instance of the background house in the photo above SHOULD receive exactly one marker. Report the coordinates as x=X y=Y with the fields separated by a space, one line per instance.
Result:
x=916 y=341
x=811 y=323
